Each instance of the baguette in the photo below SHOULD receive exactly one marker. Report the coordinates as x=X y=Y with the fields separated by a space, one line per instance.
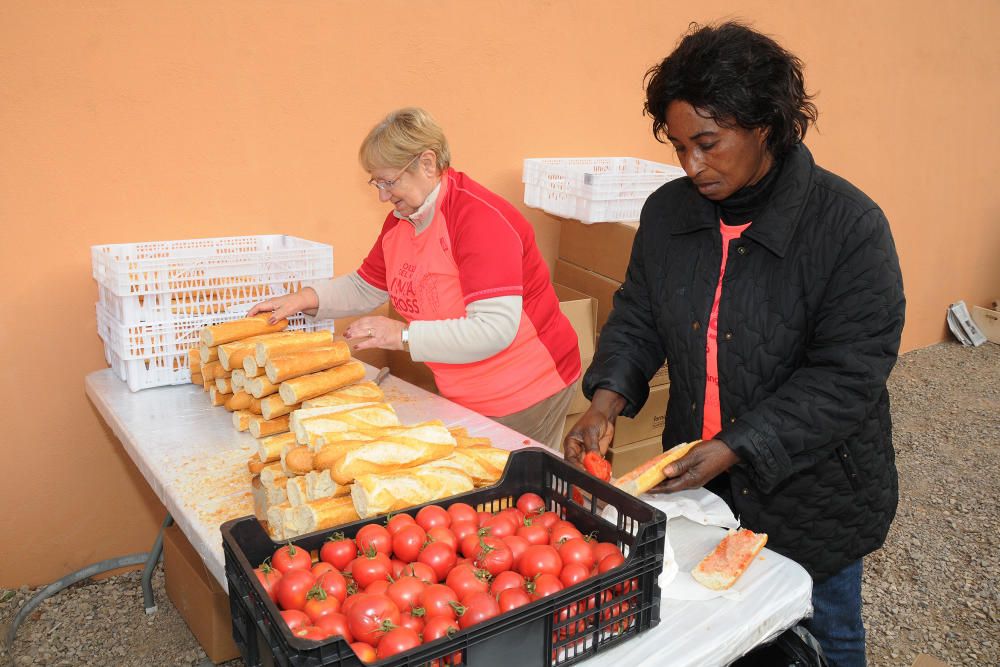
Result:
x=269 y=449
x=644 y=477
x=254 y=405
x=258 y=467
x=381 y=493
x=287 y=366
x=212 y=370
x=729 y=560
x=239 y=400
x=319 y=484
x=263 y=350
x=272 y=406
x=259 y=496
x=300 y=416
x=295 y=491
x=231 y=355
x=197 y=378
x=299 y=389
x=281 y=522
x=207 y=353
x=241 y=420
x=418 y=445
x=238 y=378
x=194 y=357
x=297 y=460
x=276 y=493
x=361 y=418
x=218 y=400
x=227 y=332
x=251 y=368
x=260 y=427
x=482 y=475
x=271 y=474
x=360 y=392
x=328 y=456
x=324 y=513
x=260 y=387
x=224 y=385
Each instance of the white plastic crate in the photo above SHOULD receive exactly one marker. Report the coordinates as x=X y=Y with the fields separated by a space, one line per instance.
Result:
x=170 y=306
x=594 y=189
x=209 y=264
x=153 y=372
x=145 y=340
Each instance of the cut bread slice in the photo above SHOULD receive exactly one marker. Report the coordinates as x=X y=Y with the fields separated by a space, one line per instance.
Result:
x=729 y=560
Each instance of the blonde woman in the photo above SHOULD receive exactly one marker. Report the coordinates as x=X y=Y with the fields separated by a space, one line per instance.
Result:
x=461 y=265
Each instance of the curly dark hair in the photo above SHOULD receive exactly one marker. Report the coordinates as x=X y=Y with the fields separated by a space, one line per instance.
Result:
x=737 y=76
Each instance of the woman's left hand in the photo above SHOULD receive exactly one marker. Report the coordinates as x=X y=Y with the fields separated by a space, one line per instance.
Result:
x=376 y=331
x=704 y=462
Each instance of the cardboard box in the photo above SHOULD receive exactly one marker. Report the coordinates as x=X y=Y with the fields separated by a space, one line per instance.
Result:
x=988 y=322
x=648 y=423
x=199 y=599
x=603 y=248
x=581 y=310
x=662 y=376
x=579 y=403
x=592 y=284
x=627 y=457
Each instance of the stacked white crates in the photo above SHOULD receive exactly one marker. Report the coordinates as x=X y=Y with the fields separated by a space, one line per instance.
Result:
x=155 y=297
x=593 y=189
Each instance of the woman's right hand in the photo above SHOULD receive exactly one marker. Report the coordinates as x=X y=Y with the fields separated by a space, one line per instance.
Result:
x=595 y=430
x=281 y=307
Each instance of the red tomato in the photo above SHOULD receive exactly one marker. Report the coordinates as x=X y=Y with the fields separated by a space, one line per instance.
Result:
x=462 y=512
x=517 y=546
x=604 y=549
x=321 y=568
x=421 y=571
x=311 y=632
x=512 y=598
x=338 y=551
x=379 y=587
x=577 y=550
x=295 y=619
x=505 y=580
x=530 y=503
x=334 y=584
x=397 y=566
x=433 y=516
x=319 y=604
x=547 y=519
x=269 y=578
x=291 y=557
x=562 y=531
x=413 y=620
x=466 y=580
x=483 y=517
x=293 y=587
x=500 y=525
x=396 y=641
x=397 y=522
x=336 y=625
x=369 y=568
x=479 y=607
x=405 y=592
x=443 y=535
x=440 y=557
x=470 y=545
x=408 y=541
x=439 y=600
x=374 y=536
x=534 y=532
x=572 y=574
x=544 y=585
x=367 y=616
x=462 y=529
x=365 y=652
x=494 y=555
x=610 y=562
x=438 y=627
x=597 y=466
x=540 y=559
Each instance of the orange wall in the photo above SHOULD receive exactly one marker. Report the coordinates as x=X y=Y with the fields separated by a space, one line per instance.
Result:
x=127 y=121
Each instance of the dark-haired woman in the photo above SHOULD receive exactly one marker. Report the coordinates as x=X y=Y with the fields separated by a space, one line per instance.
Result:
x=773 y=289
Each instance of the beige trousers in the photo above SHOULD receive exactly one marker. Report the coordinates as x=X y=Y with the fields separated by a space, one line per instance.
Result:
x=543 y=421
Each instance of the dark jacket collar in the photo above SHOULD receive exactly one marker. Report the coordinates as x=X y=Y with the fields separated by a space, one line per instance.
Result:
x=775 y=226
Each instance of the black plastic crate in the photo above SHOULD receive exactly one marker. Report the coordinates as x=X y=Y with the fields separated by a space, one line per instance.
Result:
x=560 y=629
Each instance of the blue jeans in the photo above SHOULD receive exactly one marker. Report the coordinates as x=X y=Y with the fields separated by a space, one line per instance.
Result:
x=836 y=623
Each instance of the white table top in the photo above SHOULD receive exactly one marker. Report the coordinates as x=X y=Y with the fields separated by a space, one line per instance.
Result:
x=195 y=462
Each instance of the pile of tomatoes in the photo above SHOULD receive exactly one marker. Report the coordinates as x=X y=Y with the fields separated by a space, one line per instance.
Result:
x=415 y=580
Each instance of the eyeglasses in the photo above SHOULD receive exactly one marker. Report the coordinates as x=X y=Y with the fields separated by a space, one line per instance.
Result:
x=388 y=185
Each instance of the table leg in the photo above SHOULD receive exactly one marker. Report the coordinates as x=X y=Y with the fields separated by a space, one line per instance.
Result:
x=154 y=558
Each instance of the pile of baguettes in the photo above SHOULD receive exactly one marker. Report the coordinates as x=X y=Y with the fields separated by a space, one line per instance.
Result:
x=330 y=449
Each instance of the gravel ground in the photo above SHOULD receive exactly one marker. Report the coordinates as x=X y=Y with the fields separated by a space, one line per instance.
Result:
x=932 y=588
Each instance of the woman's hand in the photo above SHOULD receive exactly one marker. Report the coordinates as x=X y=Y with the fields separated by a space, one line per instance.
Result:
x=594 y=431
x=704 y=462
x=280 y=307
x=377 y=331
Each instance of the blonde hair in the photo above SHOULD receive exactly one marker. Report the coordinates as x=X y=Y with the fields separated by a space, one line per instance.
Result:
x=401 y=135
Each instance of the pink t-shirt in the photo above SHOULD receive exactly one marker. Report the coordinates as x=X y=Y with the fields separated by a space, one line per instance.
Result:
x=479 y=246
x=712 y=422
